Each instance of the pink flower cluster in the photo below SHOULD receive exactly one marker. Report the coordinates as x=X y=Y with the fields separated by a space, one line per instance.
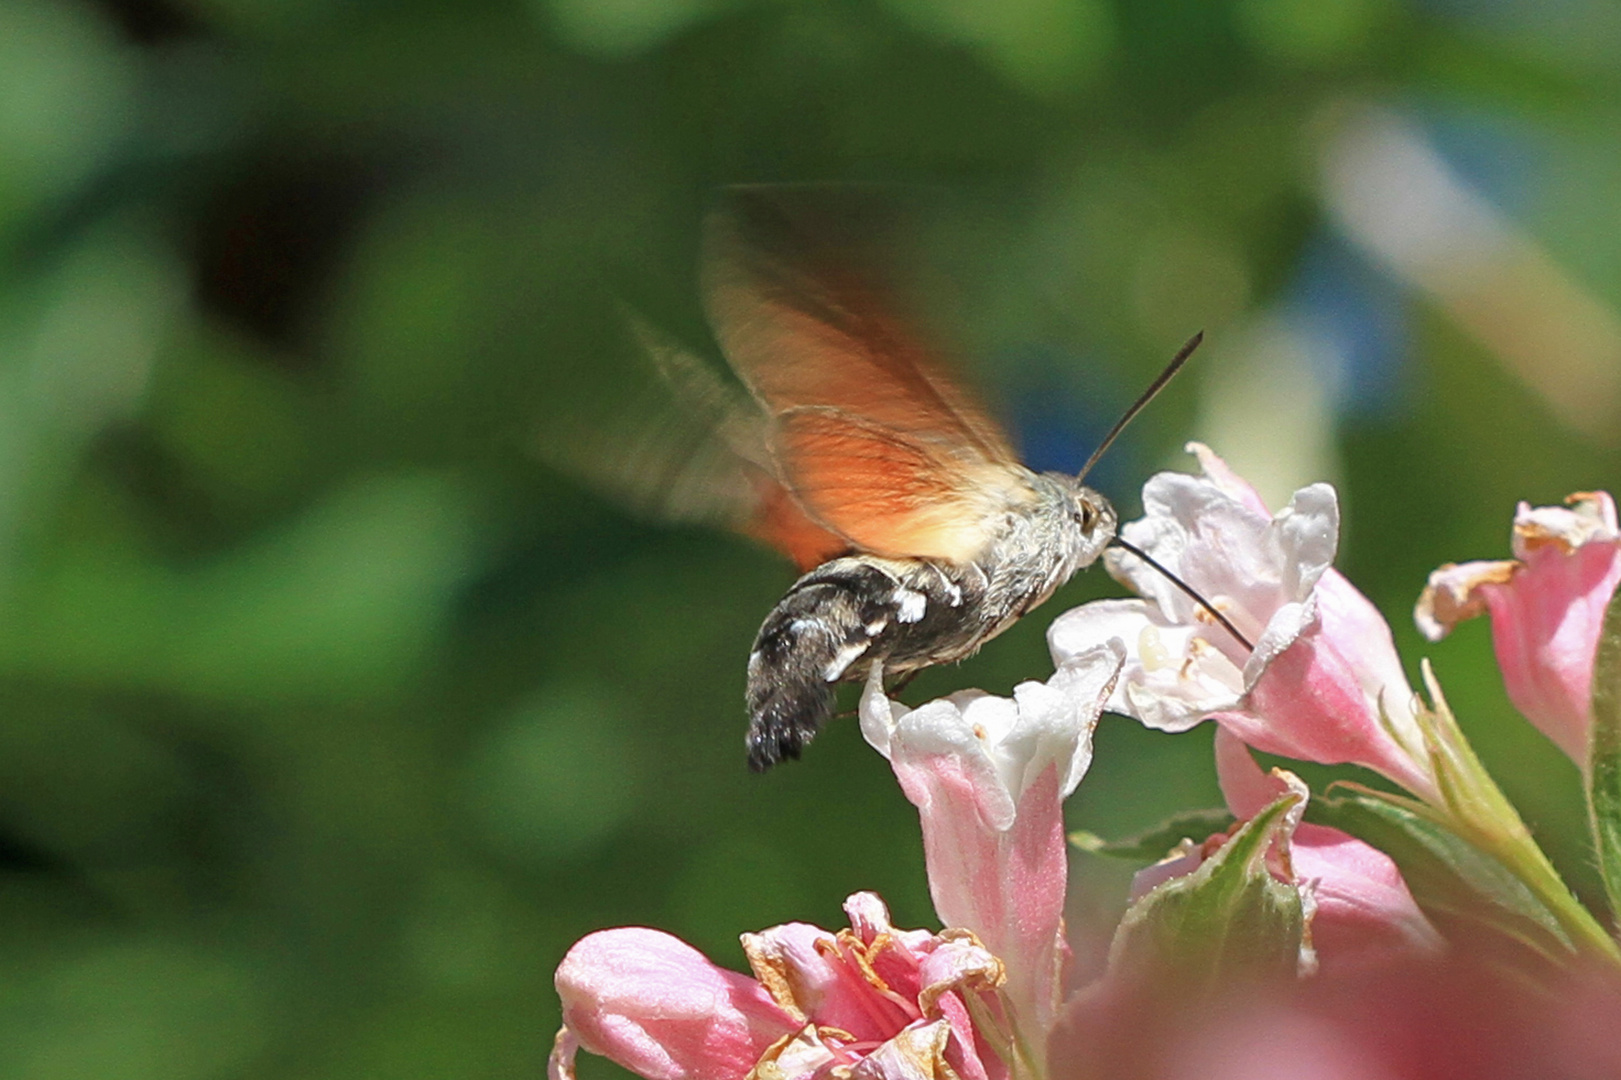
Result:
x=986 y=997
x=871 y=999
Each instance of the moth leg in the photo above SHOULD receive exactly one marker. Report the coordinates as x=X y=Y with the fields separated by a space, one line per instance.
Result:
x=903 y=682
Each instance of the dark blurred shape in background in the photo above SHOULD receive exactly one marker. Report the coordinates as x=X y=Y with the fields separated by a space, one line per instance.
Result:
x=332 y=714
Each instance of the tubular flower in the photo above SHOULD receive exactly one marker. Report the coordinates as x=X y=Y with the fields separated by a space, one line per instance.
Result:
x=869 y=1002
x=989 y=776
x=1323 y=682
x=1547 y=609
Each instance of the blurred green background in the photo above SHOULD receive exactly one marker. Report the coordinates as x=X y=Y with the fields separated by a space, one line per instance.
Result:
x=332 y=714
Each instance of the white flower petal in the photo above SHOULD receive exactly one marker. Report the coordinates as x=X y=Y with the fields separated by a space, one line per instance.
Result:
x=1007 y=742
x=1284 y=628
x=1589 y=516
x=1172 y=677
x=1309 y=536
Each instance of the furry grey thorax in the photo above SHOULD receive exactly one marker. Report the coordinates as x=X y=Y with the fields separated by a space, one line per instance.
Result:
x=912 y=613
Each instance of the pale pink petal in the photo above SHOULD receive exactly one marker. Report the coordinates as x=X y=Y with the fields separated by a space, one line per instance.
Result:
x=1179 y=863
x=1321 y=698
x=1173 y=678
x=654 y=1005
x=560 y=1062
x=988 y=776
x=1007 y=886
x=1245 y=786
x=1365 y=912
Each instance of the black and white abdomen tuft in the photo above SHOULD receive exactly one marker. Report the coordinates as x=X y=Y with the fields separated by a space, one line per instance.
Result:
x=834 y=622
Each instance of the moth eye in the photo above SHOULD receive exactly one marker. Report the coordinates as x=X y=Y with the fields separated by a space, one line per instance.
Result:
x=1087 y=516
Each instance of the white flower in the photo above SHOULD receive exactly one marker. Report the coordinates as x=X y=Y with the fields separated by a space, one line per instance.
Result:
x=1323 y=682
x=989 y=776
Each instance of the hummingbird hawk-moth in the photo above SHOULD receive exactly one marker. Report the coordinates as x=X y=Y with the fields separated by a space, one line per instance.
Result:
x=850 y=448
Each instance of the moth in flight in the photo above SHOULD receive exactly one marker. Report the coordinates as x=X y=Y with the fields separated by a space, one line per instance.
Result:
x=849 y=447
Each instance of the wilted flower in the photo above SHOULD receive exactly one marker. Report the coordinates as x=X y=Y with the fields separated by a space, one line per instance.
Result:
x=1323 y=682
x=870 y=1002
x=1547 y=609
x=989 y=776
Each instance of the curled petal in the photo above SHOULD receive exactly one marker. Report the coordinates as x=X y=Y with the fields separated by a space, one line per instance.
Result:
x=1587 y=517
x=869 y=921
x=959 y=964
x=810 y=977
x=560 y=1062
x=1246 y=562
x=1173 y=678
x=1455 y=592
x=1004 y=743
x=917 y=1053
x=1547 y=609
x=654 y=1005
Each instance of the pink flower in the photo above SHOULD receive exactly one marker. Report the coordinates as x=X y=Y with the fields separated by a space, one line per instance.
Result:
x=1547 y=609
x=871 y=1002
x=1323 y=682
x=1362 y=911
x=989 y=776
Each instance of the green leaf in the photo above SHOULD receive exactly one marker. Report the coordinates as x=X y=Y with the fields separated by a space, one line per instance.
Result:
x=1468 y=894
x=1150 y=846
x=1230 y=916
x=1604 y=755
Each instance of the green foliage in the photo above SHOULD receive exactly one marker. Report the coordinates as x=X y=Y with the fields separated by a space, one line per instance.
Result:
x=1469 y=895
x=1604 y=756
x=1192 y=825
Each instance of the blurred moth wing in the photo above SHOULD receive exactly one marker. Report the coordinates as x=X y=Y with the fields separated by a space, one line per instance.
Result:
x=848 y=447
x=690 y=447
x=867 y=431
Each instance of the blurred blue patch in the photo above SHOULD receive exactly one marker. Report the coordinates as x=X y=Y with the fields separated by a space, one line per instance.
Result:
x=1358 y=316
x=1062 y=407
x=1497 y=156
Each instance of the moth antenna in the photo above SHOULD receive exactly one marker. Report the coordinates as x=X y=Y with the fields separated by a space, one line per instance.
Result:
x=1148 y=395
x=1185 y=587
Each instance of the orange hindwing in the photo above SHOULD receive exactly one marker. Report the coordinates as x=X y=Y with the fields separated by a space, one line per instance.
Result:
x=867 y=432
